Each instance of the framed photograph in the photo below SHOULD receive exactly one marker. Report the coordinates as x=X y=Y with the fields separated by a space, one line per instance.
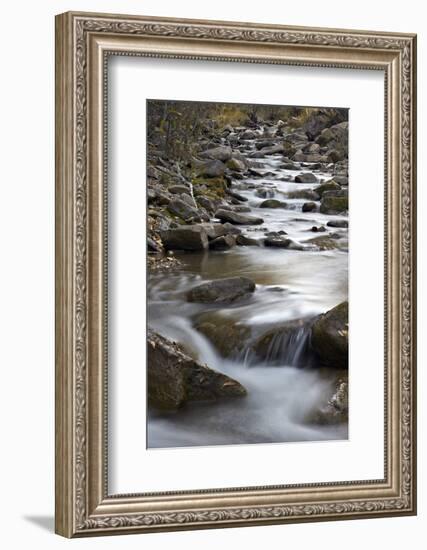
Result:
x=235 y=274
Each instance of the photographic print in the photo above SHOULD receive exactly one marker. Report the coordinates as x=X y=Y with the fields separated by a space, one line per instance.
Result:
x=247 y=267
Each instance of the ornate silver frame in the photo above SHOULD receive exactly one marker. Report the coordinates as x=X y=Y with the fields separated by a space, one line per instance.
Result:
x=83 y=505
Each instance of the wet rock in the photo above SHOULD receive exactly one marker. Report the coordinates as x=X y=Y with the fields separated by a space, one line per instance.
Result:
x=318 y=228
x=273 y=203
x=243 y=240
x=222 y=153
x=229 y=336
x=183 y=210
x=307 y=194
x=241 y=208
x=329 y=337
x=291 y=166
x=282 y=242
x=309 y=207
x=333 y=205
x=337 y=223
x=174 y=378
x=264 y=143
x=264 y=193
x=287 y=344
x=223 y=243
x=236 y=195
x=323 y=242
x=278 y=148
x=336 y=193
x=222 y=291
x=331 y=185
x=306 y=177
x=237 y=218
x=185 y=238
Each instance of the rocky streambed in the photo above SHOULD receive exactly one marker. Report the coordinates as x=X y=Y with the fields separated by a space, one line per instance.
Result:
x=247 y=287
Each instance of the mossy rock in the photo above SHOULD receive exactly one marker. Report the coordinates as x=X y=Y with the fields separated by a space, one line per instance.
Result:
x=333 y=205
x=330 y=185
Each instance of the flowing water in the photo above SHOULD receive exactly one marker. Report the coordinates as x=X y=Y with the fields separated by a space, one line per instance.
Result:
x=291 y=285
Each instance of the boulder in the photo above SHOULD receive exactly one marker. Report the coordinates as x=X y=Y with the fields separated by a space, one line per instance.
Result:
x=309 y=207
x=287 y=344
x=264 y=193
x=333 y=205
x=236 y=195
x=329 y=337
x=174 y=378
x=237 y=218
x=273 y=203
x=278 y=148
x=342 y=180
x=222 y=291
x=236 y=164
x=210 y=168
x=306 y=177
x=185 y=238
x=223 y=243
x=336 y=134
x=229 y=336
x=183 y=210
x=337 y=223
x=307 y=194
x=330 y=185
x=291 y=166
x=282 y=242
x=243 y=240
x=222 y=153
x=205 y=202
x=321 y=119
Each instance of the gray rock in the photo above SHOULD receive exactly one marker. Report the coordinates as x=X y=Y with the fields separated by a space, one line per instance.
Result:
x=236 y=218
x=236 y=164
x=185 y=238
x=337 y=223
x=330 y=185
x=210 y=168
x=309 y=207
x=264 y=193
x=222 y=291
x=223 y=243
x=222 y=153
x=178 y=189
x=278 y=148
x=333 y=205
x=307 y=194
x=236 y=195
x=306 y=177
x=183 y=210
x=243 y=240
x=174 y=378
x=329 y=337
x=273 y=203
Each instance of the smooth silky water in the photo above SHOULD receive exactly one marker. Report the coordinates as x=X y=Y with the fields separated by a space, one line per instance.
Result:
x=291 y=285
